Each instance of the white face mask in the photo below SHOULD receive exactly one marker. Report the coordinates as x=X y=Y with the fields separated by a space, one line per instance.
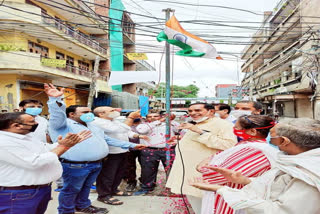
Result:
x=217 y=115
x=201 y=119
x=239 y=113
x=114 y=114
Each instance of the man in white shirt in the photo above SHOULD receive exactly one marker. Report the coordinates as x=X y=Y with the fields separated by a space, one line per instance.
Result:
x=223 y=110
x=155 y=129
x=27 y=167
x=34 y=108
x=113 y=167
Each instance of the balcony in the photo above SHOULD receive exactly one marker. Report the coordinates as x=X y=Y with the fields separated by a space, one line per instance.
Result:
x=81 y=12
x=34 y=23
x=142 y=65
x=29 y=64
x=67 y=30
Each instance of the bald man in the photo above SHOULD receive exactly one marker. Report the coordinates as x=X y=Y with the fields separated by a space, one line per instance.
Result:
x=113 y=167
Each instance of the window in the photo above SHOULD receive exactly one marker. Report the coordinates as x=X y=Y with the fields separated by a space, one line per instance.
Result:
x=83 y=66
x=39 y=49
x=59 y=55
x=70 y=60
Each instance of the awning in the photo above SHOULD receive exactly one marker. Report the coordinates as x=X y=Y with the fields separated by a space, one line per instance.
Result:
x=128 y=77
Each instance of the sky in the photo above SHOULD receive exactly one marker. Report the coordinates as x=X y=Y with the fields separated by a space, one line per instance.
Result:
x=205 y=73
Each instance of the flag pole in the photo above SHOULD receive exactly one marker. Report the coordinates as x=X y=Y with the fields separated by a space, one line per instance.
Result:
x=168 y=90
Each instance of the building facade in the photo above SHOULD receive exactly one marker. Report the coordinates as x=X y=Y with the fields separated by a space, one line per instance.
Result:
x=281 y=63
x=41 y=43
x=56 y=42
x=225 y=90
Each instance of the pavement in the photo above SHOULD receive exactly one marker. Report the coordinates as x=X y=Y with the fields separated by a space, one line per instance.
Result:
x=157 y=202
x=132 y=205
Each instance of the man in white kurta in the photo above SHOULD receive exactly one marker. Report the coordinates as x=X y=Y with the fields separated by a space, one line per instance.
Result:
x=205 y=138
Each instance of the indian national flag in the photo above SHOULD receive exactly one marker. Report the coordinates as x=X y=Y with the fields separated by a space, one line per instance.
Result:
x=190 y=44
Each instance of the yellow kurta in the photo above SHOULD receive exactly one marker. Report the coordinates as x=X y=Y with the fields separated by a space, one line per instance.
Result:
x=194 y=148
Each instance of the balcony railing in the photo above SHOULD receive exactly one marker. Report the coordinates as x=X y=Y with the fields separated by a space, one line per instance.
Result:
x=146 y=64
x=74 y=33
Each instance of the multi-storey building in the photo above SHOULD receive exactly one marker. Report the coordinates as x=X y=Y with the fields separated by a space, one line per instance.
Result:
x=281 y=62
x=225 y=90
x=57 y=42
x=35 y=33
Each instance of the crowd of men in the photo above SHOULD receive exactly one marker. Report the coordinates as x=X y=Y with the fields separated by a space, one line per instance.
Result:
x=224 y=160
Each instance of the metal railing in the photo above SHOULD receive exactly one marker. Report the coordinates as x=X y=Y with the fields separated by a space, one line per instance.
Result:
x=74 y=33
x=146 y=64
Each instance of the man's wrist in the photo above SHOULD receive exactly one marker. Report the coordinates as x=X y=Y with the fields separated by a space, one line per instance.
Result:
x=63 y=147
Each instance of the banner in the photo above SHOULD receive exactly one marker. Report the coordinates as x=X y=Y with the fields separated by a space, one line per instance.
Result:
x=57 y=63
x=137 y=56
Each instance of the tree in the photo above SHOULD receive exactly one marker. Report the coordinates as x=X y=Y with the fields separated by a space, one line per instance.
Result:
x=190 y=91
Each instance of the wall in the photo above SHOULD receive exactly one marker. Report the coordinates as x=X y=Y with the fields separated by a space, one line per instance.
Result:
x=304 y=108
x=8 y=92
x=288 y=109
x=124 y=100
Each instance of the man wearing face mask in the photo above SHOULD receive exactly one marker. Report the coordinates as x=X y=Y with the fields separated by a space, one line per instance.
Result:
x=82 y=163
x=204 y=137
x=28 y=167
x=113 y=167
x=34 y=108
x=246 y=107
x=223 y=111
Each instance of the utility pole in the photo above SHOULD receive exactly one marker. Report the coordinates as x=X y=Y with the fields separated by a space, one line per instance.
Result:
x=93 y=81
x=168 y=90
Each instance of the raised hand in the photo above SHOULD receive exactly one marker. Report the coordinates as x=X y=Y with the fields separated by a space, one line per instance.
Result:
x=84 y=135
x=72 y=139
x=203 y=185
x=52 y=91
x=135 y=114
x=173 y=140
x=230 y=175
x=203 y=164
x=186 y=126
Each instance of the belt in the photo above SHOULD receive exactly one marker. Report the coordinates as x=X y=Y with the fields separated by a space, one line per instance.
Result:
x=25 y=187
x=78 y=162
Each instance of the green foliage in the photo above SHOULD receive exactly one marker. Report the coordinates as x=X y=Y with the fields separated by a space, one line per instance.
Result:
x=190 y=91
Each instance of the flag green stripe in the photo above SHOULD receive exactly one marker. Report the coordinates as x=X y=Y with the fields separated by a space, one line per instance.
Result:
x=186 y=49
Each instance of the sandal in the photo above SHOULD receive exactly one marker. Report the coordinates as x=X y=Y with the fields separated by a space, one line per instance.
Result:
x=122 y=193
x=110 y=200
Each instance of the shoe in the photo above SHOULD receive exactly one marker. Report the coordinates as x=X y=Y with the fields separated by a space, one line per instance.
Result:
x=93 y=209
x=141 y=192
x=131 y=187
x=110 y=200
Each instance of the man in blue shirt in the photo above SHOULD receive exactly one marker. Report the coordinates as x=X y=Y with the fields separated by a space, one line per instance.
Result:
x=81 y=163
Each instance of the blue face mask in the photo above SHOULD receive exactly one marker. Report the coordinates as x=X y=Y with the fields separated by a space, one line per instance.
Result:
x=87 y=117
x=269 y=142
x=33 y=111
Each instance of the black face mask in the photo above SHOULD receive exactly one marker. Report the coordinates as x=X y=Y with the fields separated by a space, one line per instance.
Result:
x=33 y=127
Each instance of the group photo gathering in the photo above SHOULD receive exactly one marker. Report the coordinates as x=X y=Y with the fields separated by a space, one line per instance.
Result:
x=160 y=106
